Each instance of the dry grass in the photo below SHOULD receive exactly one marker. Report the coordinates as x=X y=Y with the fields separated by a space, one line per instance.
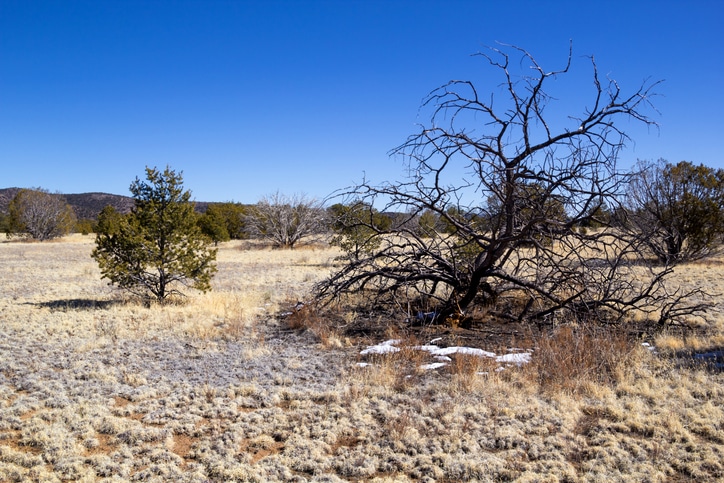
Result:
x=571 y=359
x=96 y=387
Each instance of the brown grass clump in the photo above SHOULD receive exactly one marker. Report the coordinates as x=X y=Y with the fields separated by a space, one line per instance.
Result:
x=308 y=318
x=570 y=358
x=468 y=371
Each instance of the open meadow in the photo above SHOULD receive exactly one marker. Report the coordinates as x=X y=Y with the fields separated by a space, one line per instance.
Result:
x=95 y=386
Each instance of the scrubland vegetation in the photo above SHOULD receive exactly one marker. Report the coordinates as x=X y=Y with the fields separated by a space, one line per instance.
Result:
x=96 y=386
x=544 y=316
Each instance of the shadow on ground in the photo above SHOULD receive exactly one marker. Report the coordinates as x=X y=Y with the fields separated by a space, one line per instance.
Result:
x=712 y=359
x=77 y=304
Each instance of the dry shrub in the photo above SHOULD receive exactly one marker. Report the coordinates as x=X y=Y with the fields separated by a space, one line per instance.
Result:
x=405 y=365
x=667 y=343
x=399 y=426
x=309 y=318
x=235 y=328
x=570 y=358
x=467 y=369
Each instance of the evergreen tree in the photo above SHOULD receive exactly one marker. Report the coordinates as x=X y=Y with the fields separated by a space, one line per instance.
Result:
x=213 y=224
x=356 y=225
x=157 y=246
x=109 y=221
x=679 y=208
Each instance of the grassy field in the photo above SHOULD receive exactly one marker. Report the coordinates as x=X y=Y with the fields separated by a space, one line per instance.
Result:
x=96 y=387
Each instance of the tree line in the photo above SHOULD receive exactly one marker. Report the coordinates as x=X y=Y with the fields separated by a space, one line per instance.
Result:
x=541 y=224
x=679 y=207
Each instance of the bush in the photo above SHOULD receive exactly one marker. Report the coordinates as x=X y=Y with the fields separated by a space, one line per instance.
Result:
x=679 y=208
x=40 y=214
x=158 y=245
x=285 y=220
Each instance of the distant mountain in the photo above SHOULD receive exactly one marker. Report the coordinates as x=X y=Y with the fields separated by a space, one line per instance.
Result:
x=6 y=196
x=87 y=205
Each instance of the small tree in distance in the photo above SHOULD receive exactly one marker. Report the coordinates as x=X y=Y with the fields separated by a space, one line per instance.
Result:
x=678 y=208
x=213 y=225
x=356 y=226
x=224 y=221
x=158 y=246
x=286 y=220
x=40 y=214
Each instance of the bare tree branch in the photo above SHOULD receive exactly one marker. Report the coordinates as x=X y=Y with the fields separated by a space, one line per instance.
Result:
x=286 y=220
x=511 y=187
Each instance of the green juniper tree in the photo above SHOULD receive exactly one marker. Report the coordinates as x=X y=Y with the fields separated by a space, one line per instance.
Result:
x=213 y=224
x=158 y=246
x=679 y=208
x=356 y=225
x=234 y=215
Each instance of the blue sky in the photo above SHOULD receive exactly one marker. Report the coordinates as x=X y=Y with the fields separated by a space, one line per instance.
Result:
x=251 y=97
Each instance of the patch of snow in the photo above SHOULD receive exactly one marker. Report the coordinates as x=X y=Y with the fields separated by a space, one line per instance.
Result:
x=428 y=348
x=383 y=348
x=441 y=355
x=515 y=358
x=391 y=342
x=463 y=350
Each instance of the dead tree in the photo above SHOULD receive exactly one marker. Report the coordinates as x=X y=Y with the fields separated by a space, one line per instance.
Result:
x=512 y=184
x=285 y=220
x=40 y=214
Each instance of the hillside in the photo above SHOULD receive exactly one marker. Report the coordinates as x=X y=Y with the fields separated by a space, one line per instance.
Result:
x=86 y=205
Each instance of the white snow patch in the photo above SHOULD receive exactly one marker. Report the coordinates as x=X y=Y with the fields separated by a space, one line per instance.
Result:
x=515 y=358
x=463 y=350
x=429 y=348
x=385 y=347
x=391 y=342
x=441 y=355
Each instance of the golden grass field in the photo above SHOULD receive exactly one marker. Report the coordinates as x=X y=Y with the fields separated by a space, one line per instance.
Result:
x=98 y=387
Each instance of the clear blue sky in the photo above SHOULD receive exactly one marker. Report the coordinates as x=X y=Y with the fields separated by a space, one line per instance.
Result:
x=251 y=97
